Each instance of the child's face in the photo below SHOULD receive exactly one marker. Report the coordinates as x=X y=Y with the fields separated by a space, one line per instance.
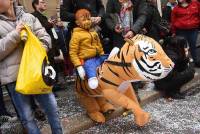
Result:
x=84 y=22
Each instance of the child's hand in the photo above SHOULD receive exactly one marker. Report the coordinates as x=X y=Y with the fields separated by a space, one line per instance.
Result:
x=96 y=20
x=81 y=72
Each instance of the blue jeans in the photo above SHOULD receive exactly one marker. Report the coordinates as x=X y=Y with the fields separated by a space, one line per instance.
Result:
x=191 y=37
x=90 y=65
x=23 y=105
x=62 y=34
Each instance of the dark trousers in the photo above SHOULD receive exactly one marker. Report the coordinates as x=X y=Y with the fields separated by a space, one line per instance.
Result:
x=3 y=110
x=191 y=37
x=2 y=104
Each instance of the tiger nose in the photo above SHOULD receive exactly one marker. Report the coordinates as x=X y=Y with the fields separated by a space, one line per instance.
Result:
x=172 y=65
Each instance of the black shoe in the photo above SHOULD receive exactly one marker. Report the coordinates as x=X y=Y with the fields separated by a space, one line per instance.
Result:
x=197 y=64
x=5 y=118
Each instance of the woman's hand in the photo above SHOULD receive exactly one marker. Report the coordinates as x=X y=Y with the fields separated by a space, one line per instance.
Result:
x=129 y=34
x=19 y=27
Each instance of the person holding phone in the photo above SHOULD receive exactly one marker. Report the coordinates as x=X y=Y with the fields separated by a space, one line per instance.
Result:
x=125 y=18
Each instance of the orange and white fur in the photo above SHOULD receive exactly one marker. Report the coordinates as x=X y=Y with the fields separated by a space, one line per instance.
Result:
x=140 y=59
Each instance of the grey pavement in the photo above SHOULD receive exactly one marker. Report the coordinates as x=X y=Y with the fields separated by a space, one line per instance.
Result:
x=167 y=117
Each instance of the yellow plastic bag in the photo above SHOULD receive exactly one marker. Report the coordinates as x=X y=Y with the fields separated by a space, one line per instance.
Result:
x=35 y=75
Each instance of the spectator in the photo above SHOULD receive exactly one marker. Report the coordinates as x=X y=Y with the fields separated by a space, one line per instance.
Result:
x=12 y=19
x=182 y=73
x=67 y=13
x=62 y=33
x=168 y=9
x=40 y=7
x=135 y=12
x=185 y=22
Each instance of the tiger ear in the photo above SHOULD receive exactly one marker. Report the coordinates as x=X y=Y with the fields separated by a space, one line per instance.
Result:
x=129 y=41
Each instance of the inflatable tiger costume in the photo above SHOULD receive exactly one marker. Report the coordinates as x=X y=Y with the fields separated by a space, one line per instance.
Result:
x=140 y=59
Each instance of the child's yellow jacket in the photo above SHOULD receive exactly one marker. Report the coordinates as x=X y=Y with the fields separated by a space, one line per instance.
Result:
x=83 y=45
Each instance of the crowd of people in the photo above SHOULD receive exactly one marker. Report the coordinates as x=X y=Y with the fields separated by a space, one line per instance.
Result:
x=177 y=31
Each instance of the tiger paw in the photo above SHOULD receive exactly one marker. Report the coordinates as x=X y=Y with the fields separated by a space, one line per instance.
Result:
x=107 y=108
x=97 y=116
x=142 y=119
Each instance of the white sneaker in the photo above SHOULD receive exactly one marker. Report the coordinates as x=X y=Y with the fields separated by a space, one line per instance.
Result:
x=93 y=82
x=7 y=119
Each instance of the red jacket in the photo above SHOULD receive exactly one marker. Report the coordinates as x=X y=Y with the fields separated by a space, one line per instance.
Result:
x=186 y=17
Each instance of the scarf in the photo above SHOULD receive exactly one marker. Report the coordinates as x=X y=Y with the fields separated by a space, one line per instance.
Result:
x=126 y=16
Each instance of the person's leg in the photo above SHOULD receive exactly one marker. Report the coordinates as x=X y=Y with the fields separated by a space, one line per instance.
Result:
x=62 y=33
x=23 y=106
x=90 y=66
x=69 y=64
x=9 y=93
x=49 y=104
x=3 y=110
x=192 y=38
x=38 y=112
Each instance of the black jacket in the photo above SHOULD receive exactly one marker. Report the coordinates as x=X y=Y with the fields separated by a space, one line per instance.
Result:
x=44 y=21
x=69 y=7
x=167 y=13
x=140 y=12
x=153 y=22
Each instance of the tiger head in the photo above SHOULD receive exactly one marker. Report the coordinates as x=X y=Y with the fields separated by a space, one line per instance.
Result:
x=149 y=60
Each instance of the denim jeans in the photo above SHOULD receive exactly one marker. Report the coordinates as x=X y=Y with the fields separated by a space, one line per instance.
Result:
x=62 y=34
x=191 y=37
x=23 y=105
x=91 y=65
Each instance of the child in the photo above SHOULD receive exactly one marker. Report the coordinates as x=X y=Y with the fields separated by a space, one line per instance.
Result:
x=86 y=51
